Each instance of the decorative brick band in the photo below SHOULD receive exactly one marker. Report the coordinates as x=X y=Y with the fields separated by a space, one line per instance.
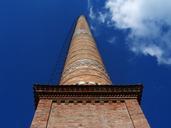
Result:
x=87 y=93
x=83 y=51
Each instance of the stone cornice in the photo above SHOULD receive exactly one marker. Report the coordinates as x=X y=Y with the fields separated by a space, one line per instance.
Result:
x=87 y=93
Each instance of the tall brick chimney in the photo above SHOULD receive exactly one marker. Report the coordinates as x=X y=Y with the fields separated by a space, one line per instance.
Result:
x=84 y=64
x=79 y=101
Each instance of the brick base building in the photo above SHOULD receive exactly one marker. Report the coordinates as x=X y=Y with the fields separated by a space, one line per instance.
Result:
x=86 y=97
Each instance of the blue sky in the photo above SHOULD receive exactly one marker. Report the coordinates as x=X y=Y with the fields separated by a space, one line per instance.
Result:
x=133 y=39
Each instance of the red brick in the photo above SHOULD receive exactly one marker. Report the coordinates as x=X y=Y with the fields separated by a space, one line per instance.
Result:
x=42 y=114
x=136 y=114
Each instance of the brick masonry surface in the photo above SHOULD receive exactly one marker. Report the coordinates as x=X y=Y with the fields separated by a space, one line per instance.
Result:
x=136 y=114
x=42 y=114
x=83 y=63
x=105 y=115
x=126 y=114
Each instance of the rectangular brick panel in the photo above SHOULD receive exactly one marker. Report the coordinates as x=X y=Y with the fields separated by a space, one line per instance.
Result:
x=107 y=115
x=42 y=114
x=136 y=114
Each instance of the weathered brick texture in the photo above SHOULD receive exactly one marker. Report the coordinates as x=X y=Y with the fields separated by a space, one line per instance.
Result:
x=126 y=114
x=42 y=114
x=87 y=115
x=136 y=114
x=83 y=63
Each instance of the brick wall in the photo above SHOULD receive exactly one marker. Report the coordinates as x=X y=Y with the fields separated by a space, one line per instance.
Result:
x=83 y=62
x=87 y=115
x=42 y=114
x=126 y=114
x=136 y=114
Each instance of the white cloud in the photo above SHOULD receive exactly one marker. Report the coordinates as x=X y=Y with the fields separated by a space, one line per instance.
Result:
x=156 y=52
x=102 y=17
x=149 y=22
x=119 y=10
x=112 y=40
x=91 y=13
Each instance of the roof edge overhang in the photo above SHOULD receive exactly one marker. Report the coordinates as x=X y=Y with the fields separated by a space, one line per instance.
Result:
x=87 y=92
